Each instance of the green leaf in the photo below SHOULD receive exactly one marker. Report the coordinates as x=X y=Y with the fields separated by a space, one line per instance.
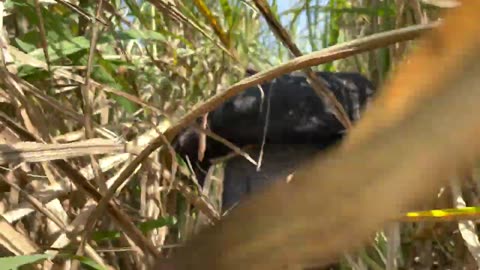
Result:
x=105 y=72
x=145 y=227
x=62 y=49
x=89 y=262
x=55 y=23
x=105 y=235
x=32 y=73
x=140 y=34
x=11 y=3
x=14 y=262
x=150 y=225
x=180 y=161
x=25 y=46
x=227 y=12
x=83 y=260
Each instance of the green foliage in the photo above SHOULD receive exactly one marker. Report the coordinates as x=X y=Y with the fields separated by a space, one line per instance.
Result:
x=86 y=262
x=153 y=224
x=14 y=262
x=145 y=226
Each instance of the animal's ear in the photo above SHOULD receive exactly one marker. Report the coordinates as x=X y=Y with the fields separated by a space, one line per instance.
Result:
x=249 y=71
x=186 y=146
x=186 y=143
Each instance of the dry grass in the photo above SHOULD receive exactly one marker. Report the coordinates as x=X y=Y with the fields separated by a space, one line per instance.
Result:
x=80 y=128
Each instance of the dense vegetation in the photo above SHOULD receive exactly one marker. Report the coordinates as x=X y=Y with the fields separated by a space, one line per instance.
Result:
x=104 y=74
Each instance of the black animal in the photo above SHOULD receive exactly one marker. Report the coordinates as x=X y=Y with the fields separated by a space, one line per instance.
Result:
x=299 y=125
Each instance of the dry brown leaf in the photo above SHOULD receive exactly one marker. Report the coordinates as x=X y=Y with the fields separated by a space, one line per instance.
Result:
x=14 y=241
x=37 y=152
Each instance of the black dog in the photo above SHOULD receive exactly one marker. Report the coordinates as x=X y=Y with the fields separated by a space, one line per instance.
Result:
x=299 y=125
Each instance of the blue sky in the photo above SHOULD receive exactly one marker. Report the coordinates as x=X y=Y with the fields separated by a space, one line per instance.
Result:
x=302 y=23
x=286 y=4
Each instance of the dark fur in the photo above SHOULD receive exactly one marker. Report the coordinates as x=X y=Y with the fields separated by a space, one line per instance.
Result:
x=297 y=117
